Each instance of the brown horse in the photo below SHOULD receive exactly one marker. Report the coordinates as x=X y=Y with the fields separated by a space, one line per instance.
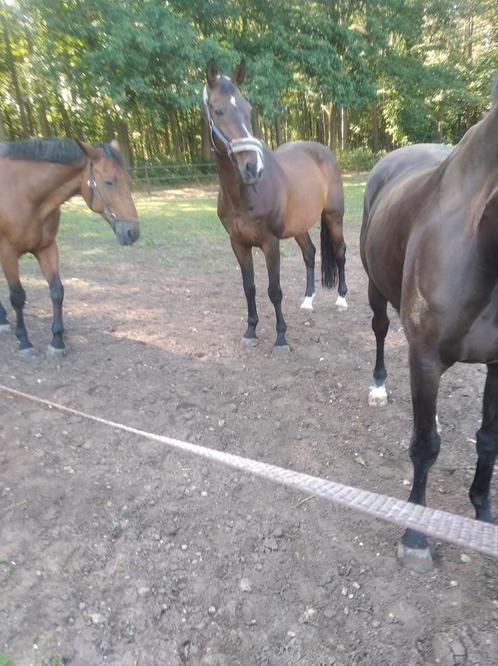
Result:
x=36 y=177
x=429 y=243
x=266 y=195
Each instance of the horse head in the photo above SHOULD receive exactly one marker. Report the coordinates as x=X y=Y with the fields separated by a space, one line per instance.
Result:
x=106 y=189
x=228 y=115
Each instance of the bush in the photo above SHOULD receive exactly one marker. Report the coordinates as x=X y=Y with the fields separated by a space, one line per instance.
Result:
x=357 y=159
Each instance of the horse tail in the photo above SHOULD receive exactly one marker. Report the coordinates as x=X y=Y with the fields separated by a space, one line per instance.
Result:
x=329 y=264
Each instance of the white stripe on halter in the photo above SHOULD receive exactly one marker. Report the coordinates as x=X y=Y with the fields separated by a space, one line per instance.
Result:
x=249 y=143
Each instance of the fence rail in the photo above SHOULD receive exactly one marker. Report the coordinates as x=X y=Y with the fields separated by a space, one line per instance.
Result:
x=150 y=176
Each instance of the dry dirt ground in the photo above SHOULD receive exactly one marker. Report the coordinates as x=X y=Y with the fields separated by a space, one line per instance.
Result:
x=115 y=550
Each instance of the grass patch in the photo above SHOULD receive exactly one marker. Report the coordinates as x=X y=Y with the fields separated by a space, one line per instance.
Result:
x=5 y=660
x=172 y=229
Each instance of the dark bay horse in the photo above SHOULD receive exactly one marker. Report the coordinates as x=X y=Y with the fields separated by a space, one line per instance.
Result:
x=266 y=195
x=429 y=244
x=36 y=177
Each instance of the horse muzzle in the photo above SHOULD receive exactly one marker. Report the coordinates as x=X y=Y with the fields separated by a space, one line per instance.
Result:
x=252 y=172
x=127 y=231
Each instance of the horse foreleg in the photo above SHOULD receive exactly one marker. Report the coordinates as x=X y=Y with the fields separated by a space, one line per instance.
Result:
x=487 y=447
x=48 y=259
x=10 y=265
x=309 y=251
x=271 y=251
x=380 y=326
x=425 y=375
x=244 y=257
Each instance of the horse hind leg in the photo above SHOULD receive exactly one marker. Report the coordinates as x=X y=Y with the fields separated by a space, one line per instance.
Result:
x=380 y=326
x=309 y=251
x=487 y=447
x=4 y=322
x=333 y=250
x=10 y=265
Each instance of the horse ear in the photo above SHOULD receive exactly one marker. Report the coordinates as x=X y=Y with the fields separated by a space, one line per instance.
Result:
x=211 y=72
x=240 y=73
x=89 y=150
x=114 y=144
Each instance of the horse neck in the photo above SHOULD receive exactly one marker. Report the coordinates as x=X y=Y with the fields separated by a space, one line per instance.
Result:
x=475 y=158
x=240 y=194
x=53 y=184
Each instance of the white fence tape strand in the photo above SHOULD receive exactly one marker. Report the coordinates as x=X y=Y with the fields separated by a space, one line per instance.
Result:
x=450 y=527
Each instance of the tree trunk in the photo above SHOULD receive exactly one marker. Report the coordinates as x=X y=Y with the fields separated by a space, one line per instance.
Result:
x=344 y=129
x=42 y=118
x=11 y=66
x=3 y=135
x=375 y=128
x=167 y=139
x=124 y=142
x=278 y=131
x=332 y=128
x=66 y=121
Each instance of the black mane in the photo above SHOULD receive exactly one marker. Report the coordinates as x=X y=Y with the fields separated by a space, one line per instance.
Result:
x=58 y=151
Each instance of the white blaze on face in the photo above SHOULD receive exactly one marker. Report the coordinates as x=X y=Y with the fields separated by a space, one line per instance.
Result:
x=233 y=102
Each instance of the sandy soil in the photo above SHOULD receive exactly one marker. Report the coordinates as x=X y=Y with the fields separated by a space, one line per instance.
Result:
x=115 y=550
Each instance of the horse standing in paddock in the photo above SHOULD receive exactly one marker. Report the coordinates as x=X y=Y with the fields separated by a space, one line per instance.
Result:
x=36 y=177
x=266 y=195
x=429 y=244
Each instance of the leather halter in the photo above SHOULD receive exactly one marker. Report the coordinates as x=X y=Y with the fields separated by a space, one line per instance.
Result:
x=232 y=146
x=94 y=191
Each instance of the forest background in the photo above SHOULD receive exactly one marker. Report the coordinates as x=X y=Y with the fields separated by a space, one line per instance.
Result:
x=361 y=77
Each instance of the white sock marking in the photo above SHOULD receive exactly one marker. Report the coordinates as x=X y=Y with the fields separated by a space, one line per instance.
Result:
x=341 y=303
x=377 y=396
x=307 y=304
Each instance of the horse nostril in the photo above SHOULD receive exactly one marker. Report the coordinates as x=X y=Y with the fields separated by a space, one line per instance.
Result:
x=251 y=168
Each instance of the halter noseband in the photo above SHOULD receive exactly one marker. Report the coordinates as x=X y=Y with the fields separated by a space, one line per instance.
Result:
x=94 y=190
x=232 y=146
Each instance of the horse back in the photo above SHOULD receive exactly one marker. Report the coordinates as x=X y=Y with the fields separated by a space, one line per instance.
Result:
x=398 y=189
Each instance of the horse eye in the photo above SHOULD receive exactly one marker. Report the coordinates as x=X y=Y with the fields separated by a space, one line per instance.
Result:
x=219 y=112
x=108 y=182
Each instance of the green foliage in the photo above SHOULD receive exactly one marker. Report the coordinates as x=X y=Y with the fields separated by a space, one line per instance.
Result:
x=135 y=69
x=357 y=159
x=5 y=660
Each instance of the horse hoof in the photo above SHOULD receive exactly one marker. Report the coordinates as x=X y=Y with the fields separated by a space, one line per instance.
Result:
x=377 y=396
x=27 y=354
x=307 y=304
x=54 y=352
x=415 y=559
x=250 y=342
x=341 y=303
x=4 y=328
x=281 y=348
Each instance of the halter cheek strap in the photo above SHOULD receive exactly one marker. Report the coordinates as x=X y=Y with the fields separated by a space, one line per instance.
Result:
x=94 y=191
x=232 y=146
